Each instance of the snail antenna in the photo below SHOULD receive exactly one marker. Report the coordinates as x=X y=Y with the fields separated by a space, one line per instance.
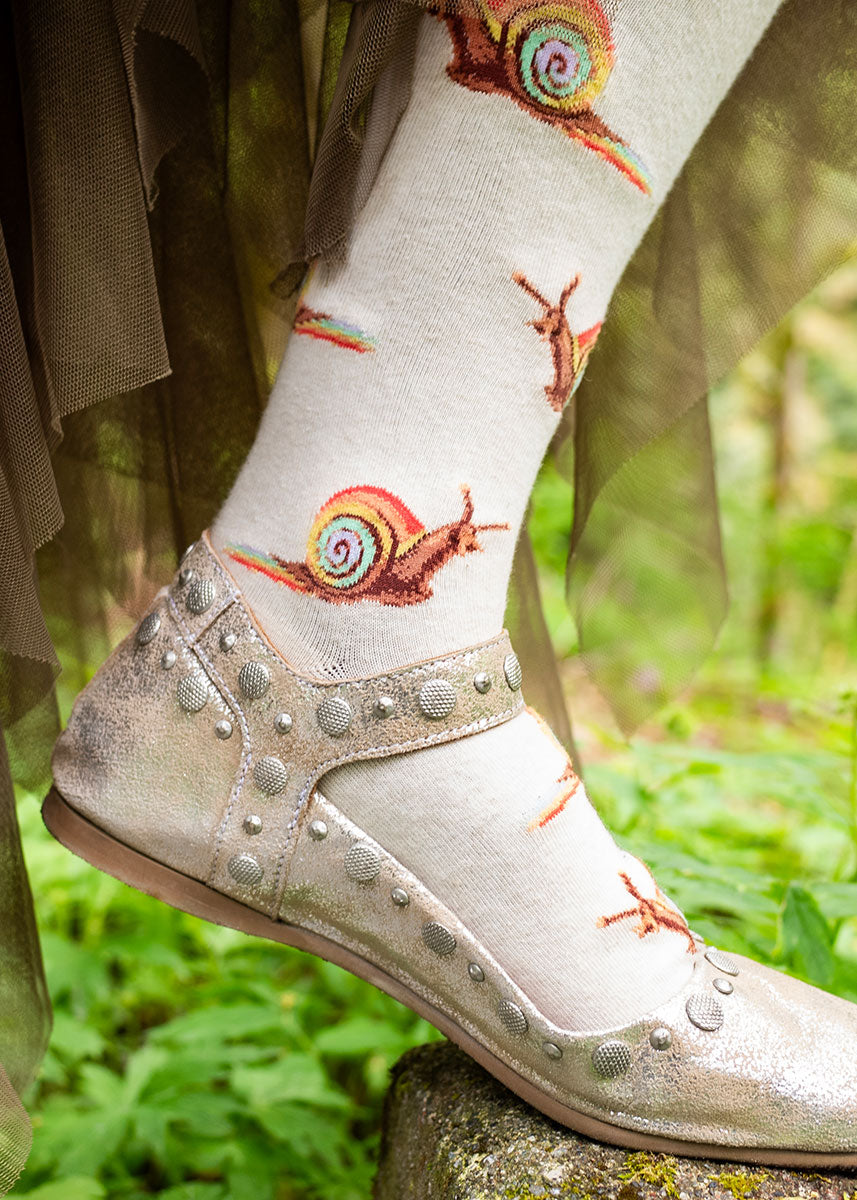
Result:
x=567 y=292
x=523 y=282
x=468 y=504
x=468 y=513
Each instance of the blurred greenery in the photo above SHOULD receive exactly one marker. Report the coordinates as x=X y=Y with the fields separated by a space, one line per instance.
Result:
x=189 y=1062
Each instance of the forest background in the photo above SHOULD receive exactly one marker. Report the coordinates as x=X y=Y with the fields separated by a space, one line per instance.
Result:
x=189 y=1062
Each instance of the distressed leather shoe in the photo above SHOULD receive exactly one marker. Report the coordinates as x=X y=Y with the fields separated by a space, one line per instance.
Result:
x=190 y=769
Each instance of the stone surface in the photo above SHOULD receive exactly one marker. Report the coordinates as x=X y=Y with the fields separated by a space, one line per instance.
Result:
x=451 y=1132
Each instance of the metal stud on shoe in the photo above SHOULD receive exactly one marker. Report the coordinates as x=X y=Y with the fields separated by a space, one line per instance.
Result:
x=254 y=679
x=437 y=699
x=400 y=897
x=186 y=575
x=704 y=1011
x=724 y=986
x=482 y=682
x=147 y=629
x=334 y=716
x=227 y=641
x=252 y=825
x=245 y=870
x=660 y=1038
x=383 y=707
x=318 y=831
x=513 y=1017
x=200 y=596
x=362 y=863
x=475 y=972
x=270 y=774
x=552 y=1050
x=611 y=1059
x=723 y=962
x=223 y=729
x=282 y=722
x=438 y=938
x=512 y=671
x=168 y=659
x=192 y=692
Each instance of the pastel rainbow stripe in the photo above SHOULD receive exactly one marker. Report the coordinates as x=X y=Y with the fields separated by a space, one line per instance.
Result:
x=255 y=560
x=585 y=342
x=621 y=157
x=337 y=332
x=587 y=339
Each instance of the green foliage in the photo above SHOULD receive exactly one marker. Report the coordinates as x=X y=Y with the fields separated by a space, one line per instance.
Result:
x=189 y=1062
x=73 y=1187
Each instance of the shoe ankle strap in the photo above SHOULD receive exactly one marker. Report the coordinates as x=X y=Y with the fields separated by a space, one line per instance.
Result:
x=294 y=729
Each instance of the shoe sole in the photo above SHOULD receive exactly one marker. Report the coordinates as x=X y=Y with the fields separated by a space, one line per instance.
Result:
x=129 y=866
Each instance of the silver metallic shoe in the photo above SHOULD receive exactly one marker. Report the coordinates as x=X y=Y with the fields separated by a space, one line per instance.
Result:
x=189 y=769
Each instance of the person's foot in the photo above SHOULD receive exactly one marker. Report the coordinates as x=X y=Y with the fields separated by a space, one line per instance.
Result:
x=498 y=825
x=471 y=879
x=501 y=828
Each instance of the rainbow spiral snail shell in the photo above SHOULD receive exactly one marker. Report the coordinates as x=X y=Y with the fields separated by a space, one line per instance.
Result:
x=366 y=544
x=561 y=56
x=553 y=57
x=355 y=537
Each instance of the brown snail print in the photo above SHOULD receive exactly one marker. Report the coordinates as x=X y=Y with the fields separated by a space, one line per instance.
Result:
x=569 y=784
x=553 y=59
x=366 y=544
x=569 y=351
x=655 y=914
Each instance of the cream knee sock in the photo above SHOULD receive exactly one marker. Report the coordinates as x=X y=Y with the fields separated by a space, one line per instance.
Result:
x=375 y=520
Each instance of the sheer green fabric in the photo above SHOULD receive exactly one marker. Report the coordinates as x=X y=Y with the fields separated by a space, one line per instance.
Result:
x=158 y=170
x=24 y=1009
x=102 y=266
x=765 y=207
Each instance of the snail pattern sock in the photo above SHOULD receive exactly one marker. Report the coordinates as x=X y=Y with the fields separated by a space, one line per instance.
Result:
x=440 y=354
x=374 y=522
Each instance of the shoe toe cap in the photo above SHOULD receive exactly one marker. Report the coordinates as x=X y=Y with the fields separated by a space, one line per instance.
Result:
x=776 y=1066
x=808 y=1039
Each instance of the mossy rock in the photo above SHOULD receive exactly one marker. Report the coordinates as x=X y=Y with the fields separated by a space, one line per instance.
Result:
x=451 y=1132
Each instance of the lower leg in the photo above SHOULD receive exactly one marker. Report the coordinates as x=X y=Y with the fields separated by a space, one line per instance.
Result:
x=438 y=358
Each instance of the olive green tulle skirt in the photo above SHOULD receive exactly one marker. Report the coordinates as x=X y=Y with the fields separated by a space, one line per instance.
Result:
x=167 y=165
